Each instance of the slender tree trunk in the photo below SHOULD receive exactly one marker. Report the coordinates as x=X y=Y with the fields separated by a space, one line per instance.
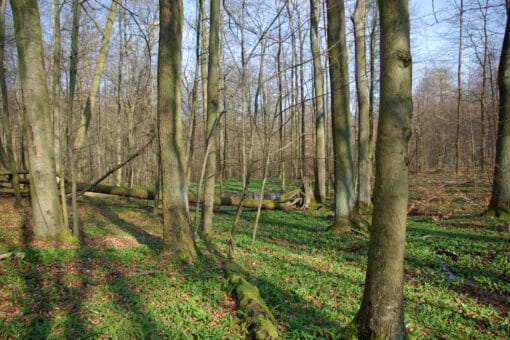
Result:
x=5 y=121
x=280 y=108
x=381 y=315
x=47 y=220
x=459 y=88
x=94 y=87
x=499 y=205
x=194 y=94
x=177 y=233
x=342 y=149
x=364 y=163
x=212 y=116
x=320 y=114
x=73 y=70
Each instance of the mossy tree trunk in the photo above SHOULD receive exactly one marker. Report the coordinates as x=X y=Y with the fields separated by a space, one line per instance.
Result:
x=381 y=314
x=343 y=160
x=47 y=220
x=499 y=205
x=177 y=233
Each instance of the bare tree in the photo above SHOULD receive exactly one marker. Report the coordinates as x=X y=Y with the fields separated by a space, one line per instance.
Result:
x=342 y=149
x=381 y=314
x=177 y=233
x=364 y=162
x=499 y=203
x=47 y=220
x=320 y=112
x=212 y=116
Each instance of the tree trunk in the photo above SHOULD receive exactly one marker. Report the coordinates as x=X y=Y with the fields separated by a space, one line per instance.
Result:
x=381 y=314
x=342 y=150
x=47 y=220
x=364 y=163
x=4 y=120
x=459 y=88
x=499 y=205
x=177 y=233
x=212 y=116
x=94 y=87
x=320 y=113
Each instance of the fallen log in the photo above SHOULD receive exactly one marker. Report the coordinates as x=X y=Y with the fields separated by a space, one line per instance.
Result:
x=290 y=202
x=192 y=198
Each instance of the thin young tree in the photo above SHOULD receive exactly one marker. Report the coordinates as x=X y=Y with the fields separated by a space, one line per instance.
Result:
x=381 y=314
x=5 y=131
x=499 y=204
x=342 y=149
x=459 y=87
x=212 y=116
x=320 y=112
x=364 y=163
x=47 y=220
x=177 y=233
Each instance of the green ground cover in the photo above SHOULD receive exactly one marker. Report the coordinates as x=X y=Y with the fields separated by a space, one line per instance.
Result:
x=117 y=284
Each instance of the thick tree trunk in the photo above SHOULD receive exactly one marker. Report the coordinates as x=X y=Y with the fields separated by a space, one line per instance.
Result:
x=364 y=163
x=381 y=314
x=47 y=220
x=320 y=113
x=212 y=116
x=499 y=205
x=344 y=165
x=177 y=233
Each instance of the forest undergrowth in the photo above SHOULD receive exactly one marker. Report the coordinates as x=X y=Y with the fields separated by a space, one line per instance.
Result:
x=116 y=282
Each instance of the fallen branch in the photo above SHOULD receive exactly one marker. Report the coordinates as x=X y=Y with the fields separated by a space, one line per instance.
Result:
x=116 y=167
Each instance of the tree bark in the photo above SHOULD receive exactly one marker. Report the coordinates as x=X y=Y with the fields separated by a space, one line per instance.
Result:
x=320 y=113
x=381 y=314
x=4 y=120
x=177 y=233
x=47 y=220
x=342 y=150
x=499 y=205
x=364 y=163
x=94 y=87
x=459 y=88
x=212 y=116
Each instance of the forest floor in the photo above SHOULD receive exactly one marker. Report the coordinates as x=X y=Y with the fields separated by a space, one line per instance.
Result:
x=116 y=282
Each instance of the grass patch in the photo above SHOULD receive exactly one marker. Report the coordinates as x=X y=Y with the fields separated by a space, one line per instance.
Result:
x=118 y=284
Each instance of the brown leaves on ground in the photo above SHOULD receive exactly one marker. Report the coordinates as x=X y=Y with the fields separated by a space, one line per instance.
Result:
x=440 y=195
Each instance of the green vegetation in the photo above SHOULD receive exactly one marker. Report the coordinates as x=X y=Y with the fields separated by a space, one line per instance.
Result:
x=116 y=283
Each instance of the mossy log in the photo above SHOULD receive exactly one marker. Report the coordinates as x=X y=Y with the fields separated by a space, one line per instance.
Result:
x=260 y=319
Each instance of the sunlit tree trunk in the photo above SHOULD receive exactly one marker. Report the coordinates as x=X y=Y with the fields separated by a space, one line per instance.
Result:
x=212 y=116
x=342 y=149
x=499 y=205
x=47 y=220
x=381 y=315
x=364 y=164
x=5 y=130
x=177 y=233
x=320 y=113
